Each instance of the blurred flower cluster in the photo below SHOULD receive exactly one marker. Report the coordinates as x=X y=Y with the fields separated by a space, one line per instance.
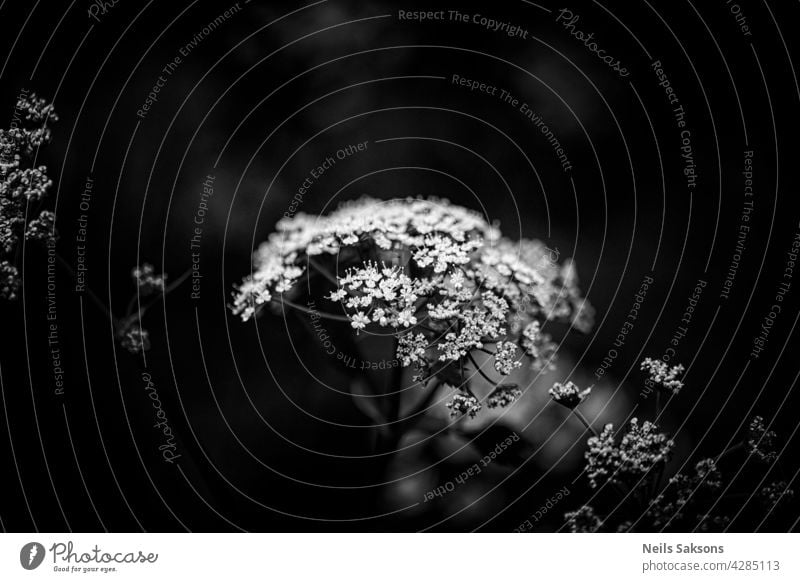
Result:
x=761 y=441
x=437 y=276
x=625 y=471
x=149 y=285
x=23 y=185
x=148 y=281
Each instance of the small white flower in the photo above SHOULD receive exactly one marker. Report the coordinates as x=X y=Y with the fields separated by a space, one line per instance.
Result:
x=406 y=318
x=283 y=286
x=338 y=295
x=359 y=321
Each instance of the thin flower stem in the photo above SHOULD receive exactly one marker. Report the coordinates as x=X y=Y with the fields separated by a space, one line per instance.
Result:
x=175 y=284
x=657 y=480
x=464 y=383
x=420 y=407
x=323 y=271
x=729 y=450
x=395 y=390
x=478 y=368
x=161 y=295
x=426 y=328
x=312 y=312
x=585 y=422
x=95 y=299
x=131 y=305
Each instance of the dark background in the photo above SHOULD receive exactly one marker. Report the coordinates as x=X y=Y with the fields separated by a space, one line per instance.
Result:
x=262 y=442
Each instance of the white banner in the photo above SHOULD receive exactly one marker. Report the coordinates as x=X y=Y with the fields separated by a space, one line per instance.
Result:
x=400 y=557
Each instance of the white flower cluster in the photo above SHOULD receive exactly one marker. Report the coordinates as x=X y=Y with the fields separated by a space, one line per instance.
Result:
x=505 y=357
x=411 y=348
x=387 y=294
x=147 y=280
x=539 y=346
x=135 y=339
x=568 y=394
x=684 y=497
x=640 y=449
x=583 y=520
x=437 y=275
x=23 y=185
x=663 y=375
x=385 y=226
x=464 y=404
x=503 y=395
x=775 y=492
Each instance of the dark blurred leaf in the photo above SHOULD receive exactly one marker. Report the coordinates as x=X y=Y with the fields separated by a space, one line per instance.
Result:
x=366 y=403
x=448 y=373
x=505 y=445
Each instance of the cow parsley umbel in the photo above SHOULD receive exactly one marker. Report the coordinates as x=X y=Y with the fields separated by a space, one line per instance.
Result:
x=760 y=441
x=568 y=394
x=640 y=449
x=629 y=488
x=23 y=186
x=437 y=276
x=148 y=281
x=662 y=375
